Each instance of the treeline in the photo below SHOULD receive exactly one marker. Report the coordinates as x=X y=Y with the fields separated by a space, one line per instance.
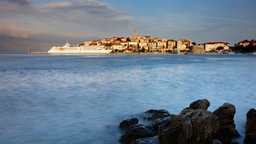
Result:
x=239 y=48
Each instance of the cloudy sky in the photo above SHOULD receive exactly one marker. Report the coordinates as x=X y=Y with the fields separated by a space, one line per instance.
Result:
x=39 y=24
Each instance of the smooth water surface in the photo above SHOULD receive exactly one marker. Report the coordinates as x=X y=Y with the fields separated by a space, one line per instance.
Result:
x=80 y=99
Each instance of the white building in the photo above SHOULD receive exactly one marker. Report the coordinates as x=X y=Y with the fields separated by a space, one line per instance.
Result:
x=212 y=46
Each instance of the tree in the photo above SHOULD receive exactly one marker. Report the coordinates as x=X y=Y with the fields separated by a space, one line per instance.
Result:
x=193 y=43
x=219 y=48
x=118 y=39
x=128 y=39
x=108 y=45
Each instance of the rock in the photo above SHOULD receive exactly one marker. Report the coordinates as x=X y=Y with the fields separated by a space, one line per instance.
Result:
x=136 y=132
x=227 y=129
x=126 y=124
x=148 y=140
x=198 y=127
x=195 y=127
x=250 y=138
x=169 y=132
x=251 y=121
x=226 y=114
x=199 y=104
x=250 y=127
x=156 y=114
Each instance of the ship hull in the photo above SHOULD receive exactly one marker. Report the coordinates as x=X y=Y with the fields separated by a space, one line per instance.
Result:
x=67 y=49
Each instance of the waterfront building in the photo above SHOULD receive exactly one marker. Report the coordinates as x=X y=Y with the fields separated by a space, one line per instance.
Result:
x=198 y=49
x=117 y=46
x=183 y=45
x=246 y=43
x=212 y=46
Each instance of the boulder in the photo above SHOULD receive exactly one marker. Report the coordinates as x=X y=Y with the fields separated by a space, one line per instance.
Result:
x=136 y=132
x=250 y=127
x=227 y=130
x=198 y=127
x=169 y=132
x=199 y=104
x=156 y=114
x=226 y=114
x=251 y=121
x=128 y=123
x=195 y=127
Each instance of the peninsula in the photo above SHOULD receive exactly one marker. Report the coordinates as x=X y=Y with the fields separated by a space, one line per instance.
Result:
x=147 y=44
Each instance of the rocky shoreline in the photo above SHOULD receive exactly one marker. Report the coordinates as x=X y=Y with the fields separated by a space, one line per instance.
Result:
x=194 y=125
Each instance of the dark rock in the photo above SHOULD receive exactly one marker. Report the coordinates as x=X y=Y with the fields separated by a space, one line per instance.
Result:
x=161 y=121
x=126 y=124
x=250 y=127
x=227 y=129
x=136 y=132
x=198 y=127
x=195 y=127
x=250 y=138
x=251 y=121
x=169 y=132
x=200 y=104
x=225 y=134
x=148 y=140
x=226 y=114
x=156 y=114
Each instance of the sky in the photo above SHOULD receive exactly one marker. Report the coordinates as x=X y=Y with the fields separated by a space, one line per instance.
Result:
x=40 y=24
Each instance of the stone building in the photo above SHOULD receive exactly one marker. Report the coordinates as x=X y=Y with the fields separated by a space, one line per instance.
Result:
x=212 y=46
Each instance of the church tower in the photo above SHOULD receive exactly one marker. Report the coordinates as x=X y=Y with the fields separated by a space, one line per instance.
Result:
x=136 y=33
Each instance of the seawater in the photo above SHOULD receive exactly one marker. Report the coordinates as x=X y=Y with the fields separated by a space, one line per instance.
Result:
x=80 y=99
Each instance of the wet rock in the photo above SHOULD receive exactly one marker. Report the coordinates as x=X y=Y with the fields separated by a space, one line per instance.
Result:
x=137 y=132
x=250 y=138
x=251 y=121
x=199 y=104
x=195 y=127
x=198 y=126
x=226 y=114
x=128 y=123
x=169 y=132
x=156 y=114
x=250 y=127
x=227 y=129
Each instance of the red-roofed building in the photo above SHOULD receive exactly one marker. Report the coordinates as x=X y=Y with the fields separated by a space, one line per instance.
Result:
x=246 y=43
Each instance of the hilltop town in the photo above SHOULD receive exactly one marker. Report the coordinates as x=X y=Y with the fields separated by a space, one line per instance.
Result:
x=147 y=44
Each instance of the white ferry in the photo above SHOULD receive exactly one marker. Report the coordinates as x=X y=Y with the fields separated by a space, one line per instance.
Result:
x=67 y=49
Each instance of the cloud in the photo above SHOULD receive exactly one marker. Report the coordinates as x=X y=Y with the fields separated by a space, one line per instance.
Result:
x=20 y=2
x=55 y=5
x=25 y=24
x=80 y=19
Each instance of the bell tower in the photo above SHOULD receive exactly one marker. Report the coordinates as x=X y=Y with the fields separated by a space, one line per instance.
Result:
x=136 y=33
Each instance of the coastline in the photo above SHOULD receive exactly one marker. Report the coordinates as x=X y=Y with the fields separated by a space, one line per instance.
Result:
x=140 y=53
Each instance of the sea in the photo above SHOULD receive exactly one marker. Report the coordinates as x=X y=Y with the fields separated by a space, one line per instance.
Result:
x=81 y=99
